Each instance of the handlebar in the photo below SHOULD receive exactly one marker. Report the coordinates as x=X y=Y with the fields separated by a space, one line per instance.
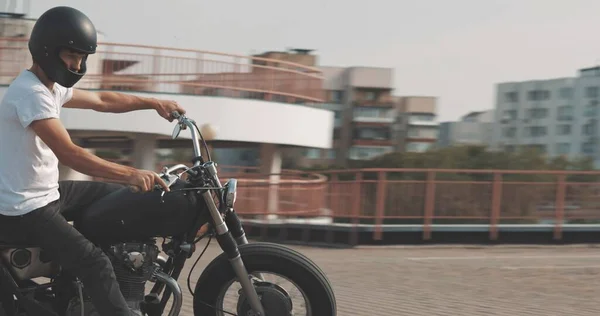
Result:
x=184 y=122
x=191 y=124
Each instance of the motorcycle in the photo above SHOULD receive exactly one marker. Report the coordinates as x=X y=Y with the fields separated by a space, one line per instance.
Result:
x=127 y=225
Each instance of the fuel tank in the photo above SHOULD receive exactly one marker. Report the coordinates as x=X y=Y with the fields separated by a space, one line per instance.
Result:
x=126 y=216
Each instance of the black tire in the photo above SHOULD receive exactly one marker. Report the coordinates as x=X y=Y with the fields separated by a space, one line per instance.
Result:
x=267 y=257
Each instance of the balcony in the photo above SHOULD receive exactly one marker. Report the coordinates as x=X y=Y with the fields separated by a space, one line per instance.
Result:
x=374 y=115
x=385 y=101
x=169 y=70
x=422 y=120
x=372 y=136
x=422 y=133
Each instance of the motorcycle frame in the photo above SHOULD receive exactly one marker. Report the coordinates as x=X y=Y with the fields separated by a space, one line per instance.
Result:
x=225 y=225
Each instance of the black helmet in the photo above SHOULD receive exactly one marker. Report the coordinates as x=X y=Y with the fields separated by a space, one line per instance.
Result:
x=62 y=27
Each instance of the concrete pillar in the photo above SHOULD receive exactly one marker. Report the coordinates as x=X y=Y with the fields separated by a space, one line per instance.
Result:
x=144 y=152
x=270 y=160
x=66 y=173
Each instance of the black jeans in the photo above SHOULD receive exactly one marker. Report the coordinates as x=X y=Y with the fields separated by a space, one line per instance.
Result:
x=48 y=228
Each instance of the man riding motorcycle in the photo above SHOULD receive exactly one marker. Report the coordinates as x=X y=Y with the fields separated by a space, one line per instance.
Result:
x=35 y=206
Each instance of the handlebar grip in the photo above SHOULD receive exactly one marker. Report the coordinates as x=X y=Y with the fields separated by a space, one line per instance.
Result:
x=175 y=114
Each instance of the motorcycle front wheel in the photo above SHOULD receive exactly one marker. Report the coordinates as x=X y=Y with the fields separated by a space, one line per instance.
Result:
x=260 y=258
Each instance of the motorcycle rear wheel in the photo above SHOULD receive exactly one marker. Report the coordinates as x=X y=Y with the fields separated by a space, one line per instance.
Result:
x=269 y=258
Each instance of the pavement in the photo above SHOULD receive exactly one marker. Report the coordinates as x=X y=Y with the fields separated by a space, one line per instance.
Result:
x=449 y=280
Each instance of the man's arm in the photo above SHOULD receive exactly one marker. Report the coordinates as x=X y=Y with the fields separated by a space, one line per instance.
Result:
x=54 y=134
x=109 y=101
x=115 y=102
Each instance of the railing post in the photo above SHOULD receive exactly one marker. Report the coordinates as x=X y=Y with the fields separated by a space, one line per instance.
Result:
x=496 y=200
x=560 y=206
x=356 y=207
x=380 y=205
x=429 y=204
x=333 y=190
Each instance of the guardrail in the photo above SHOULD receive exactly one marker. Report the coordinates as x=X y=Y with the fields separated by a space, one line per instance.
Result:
x=171 y=70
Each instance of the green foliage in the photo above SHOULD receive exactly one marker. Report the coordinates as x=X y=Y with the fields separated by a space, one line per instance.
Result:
x=477 y=158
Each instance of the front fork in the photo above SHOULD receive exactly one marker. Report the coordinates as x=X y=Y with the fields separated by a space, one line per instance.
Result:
x=229 y=244
x=237 y=231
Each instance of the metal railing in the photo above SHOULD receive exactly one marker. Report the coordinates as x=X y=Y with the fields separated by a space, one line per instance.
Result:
x=430 y=197
x=185 y=71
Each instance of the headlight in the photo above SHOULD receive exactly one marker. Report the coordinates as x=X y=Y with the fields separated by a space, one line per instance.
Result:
x=231 y=193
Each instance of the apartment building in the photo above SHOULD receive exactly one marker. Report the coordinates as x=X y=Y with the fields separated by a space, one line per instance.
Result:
x=474 y=128
x=557 y=116
x=370 y=120
x=417 y=123
x=365 y=115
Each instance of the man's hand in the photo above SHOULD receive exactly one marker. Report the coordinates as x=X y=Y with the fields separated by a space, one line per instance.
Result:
x=144 y=181
x=164 y=109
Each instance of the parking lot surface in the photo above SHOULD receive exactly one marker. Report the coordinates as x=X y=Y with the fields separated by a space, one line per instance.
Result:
x=451 y=280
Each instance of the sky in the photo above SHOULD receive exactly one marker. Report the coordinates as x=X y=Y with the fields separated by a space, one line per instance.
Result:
x=455 y=50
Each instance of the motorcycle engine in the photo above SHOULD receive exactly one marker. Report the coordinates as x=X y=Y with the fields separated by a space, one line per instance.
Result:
x=134 y=266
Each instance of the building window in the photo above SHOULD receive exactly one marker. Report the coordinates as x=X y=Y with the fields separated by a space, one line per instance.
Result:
x=312 y=153
x=511 y=97
x=537 y=113
x=337 y=118
x=589 y=128
x=565 y=113
x=337 y=96
x=372 y=133
x=538 y=95
x=591 y=92
x=588 y=148
x=373 y=113
x=535 y=131
x=563 y=129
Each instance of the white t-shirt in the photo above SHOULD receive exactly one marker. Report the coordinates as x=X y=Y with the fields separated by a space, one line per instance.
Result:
x=28 y=167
